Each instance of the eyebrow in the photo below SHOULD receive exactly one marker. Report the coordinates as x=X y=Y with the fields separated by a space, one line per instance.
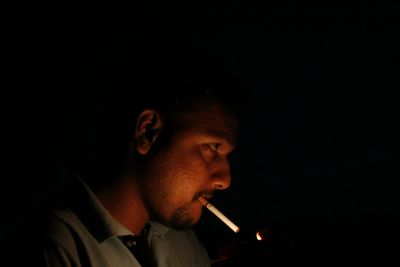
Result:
x=224 y=135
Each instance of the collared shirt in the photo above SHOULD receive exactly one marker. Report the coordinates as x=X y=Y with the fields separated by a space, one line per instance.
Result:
x=78 y=231
x=175 y=248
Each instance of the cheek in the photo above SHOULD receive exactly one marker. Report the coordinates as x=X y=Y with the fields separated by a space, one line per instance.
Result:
x=188 y=173
x=177 y=177
x=185 y=179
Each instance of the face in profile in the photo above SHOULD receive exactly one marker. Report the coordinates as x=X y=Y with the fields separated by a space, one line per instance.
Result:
x=194 y=163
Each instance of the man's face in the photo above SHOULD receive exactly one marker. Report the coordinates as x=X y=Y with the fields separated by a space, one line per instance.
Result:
x=194 y=163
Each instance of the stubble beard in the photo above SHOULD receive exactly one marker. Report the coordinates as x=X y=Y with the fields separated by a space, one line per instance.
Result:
x=180 y=219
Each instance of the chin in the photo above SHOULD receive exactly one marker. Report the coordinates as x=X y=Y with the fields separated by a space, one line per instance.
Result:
x=184 y=218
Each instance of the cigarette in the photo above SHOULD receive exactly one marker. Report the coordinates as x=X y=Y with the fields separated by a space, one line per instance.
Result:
x=219 y=214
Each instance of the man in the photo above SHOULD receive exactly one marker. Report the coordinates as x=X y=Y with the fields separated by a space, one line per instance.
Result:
x=133 y=204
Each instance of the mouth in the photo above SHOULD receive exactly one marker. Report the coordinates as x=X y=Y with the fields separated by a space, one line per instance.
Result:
x=208 y=197
x=204 y=194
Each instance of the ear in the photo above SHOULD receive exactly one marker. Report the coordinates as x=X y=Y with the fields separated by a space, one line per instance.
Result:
x=148 y=127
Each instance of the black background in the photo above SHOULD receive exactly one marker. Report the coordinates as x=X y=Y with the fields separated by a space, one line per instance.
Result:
x=317 y=161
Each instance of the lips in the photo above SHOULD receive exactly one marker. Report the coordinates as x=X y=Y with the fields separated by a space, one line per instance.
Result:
x=205 y=194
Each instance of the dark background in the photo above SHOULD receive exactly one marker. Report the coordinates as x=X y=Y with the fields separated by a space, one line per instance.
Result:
x=317 y=161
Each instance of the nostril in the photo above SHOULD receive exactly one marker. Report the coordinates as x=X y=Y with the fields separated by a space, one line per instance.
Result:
x=222 y=183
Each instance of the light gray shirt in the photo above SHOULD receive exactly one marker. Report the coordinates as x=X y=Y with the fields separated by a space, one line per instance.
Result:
x=80 y=232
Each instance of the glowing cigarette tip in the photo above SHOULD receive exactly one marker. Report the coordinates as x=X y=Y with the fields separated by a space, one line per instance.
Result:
x=219 y=214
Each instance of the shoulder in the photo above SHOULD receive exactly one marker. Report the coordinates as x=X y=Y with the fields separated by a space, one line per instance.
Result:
x=39 y=235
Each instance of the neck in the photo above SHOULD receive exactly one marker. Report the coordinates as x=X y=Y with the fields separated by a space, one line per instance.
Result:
x=123 y=201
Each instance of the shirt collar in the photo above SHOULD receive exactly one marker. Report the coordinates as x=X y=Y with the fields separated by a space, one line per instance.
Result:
x=159 y=229
x=81 y=200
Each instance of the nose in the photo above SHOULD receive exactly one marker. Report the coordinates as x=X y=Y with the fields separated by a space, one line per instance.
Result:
x=221 y=175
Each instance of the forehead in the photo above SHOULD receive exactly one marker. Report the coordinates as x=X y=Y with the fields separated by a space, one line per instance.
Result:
x=211 y=119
